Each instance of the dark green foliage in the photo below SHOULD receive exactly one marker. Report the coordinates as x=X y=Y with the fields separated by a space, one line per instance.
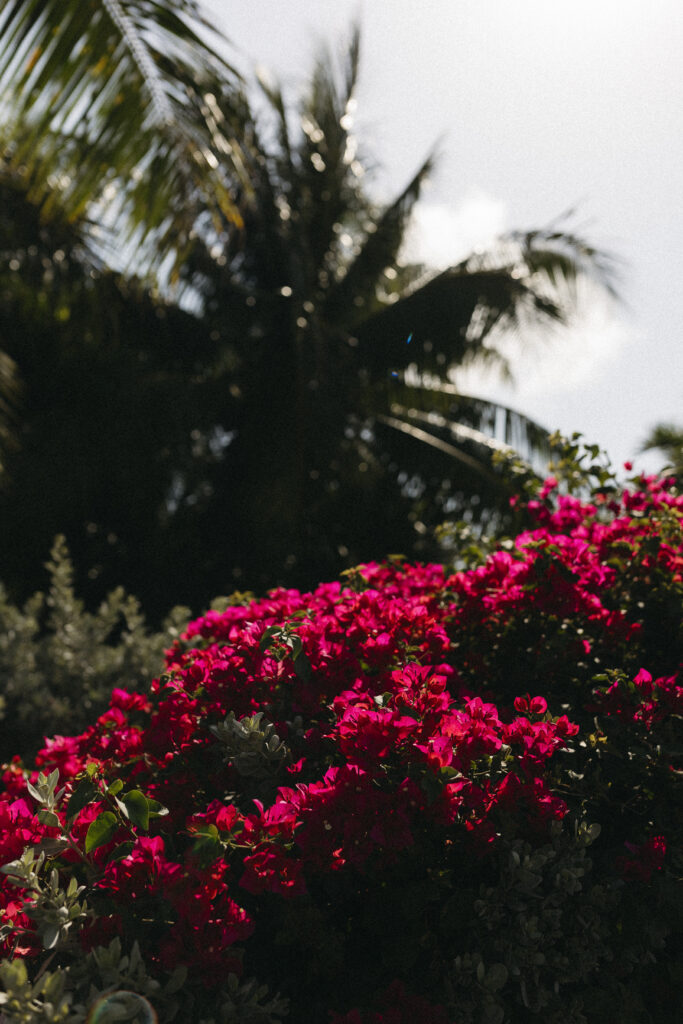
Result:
x=269 y=430
x=668 y=439
x=116 y=389
x=105 y=104
x=336 y=448
x=66 y=996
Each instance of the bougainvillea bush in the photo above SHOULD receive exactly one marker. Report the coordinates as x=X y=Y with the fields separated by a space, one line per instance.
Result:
x=418 y=795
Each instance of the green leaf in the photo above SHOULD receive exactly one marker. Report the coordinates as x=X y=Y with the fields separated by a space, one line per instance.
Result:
x=382 y=699
x=302 y=666
x=50 y=936
x=156 y=809
x=49 y=818
x=137 y=808
x=101 y=831
x=176 y=981
x=122 y=850
x=267 y=637
x=116 y=787
x=207 y=846
x=496 y=976
x=82 y=795
x=35 y=793
x=210 y=831
x=492 y=1014
x=52 y=847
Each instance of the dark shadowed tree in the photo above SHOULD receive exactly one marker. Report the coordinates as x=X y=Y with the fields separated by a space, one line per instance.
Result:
x=294 y=417
x=106 y=126
x=668 y=439
x=113 y=389
x=333 y=453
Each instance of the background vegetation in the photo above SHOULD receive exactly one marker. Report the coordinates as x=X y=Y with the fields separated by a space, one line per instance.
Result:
x=207 y=321
x=219 y=370
x=415 y=796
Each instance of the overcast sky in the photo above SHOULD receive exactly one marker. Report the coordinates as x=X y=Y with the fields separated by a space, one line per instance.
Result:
x=537 y=107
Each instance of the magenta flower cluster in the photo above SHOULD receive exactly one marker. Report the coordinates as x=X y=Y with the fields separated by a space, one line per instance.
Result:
x=307 y=744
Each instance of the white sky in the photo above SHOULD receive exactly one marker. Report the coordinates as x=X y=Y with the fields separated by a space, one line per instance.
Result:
x=536 y=107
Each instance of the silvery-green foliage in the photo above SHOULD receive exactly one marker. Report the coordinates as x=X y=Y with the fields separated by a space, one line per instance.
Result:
x=477 y=984
x=53 y=908
x=109 y=969
x=73 y=990
x=252 y=745
x=59 y=662
x=545 y=928
x=45 y=792
x=70 y=993
x=22 y=1001
x=246 y=1002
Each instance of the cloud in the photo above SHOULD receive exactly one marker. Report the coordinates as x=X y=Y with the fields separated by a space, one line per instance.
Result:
x=442 y=235
x=548 y=361
x=559 y=360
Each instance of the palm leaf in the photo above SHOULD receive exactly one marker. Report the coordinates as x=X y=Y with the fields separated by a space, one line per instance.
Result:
x=454 y=316
x=112 y=100
x=468 y=417
x=10 y=391
x=454 y=464
x=326 y=191
x=408 y=423
x=276 y=100
x=378 y=251
x=562 y=256
x=667 y=438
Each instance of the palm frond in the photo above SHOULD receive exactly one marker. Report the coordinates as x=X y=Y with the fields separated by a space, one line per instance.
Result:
x=450 y=455
x=326 y=189
x=464 y=418
x=525 y=280
x=663 y=435
x=668 y=439
x=378 y=251
x=115 y=102
x=404 y=422
x=440 y=316
x=330 y=98
x=562 y=256
x=10 y=391
x=274 y=95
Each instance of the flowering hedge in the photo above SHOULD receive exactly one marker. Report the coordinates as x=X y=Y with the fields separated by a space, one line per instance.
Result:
x=413 y=796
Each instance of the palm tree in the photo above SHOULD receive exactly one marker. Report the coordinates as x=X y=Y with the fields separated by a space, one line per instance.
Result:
x=108 y=125
x=347 y=437
x=108 y=106
x=9 y=388
x=667 y=438
x=114 y=388
x=336 y=437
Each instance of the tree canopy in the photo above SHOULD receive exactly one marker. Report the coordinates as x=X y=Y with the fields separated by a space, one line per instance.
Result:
x=108 y=108
x=285 y=411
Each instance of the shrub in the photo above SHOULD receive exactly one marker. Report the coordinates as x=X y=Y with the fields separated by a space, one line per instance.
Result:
x=59 y=663
x=412 y=796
